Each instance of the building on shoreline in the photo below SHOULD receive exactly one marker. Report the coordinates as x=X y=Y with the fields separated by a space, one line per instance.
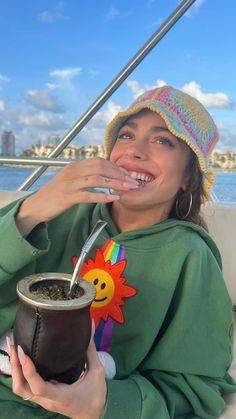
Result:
x=8 y=143
x=225 y=160
x=70 y=152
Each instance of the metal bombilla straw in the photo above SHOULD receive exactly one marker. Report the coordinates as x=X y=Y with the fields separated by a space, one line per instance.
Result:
x=85 y=249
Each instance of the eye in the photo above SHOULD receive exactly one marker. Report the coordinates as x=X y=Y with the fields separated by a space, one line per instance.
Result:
x=164 y=141
x=124 y=135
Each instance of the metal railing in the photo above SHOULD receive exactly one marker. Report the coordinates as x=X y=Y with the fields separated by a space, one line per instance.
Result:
x=112 y=87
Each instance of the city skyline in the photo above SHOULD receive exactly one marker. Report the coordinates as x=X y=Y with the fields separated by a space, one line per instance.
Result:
x=225 y=160
x=53 y=140
x=54 y=66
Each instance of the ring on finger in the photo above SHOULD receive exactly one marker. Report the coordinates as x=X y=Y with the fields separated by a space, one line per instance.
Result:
x=27 y=398
x=107 y=180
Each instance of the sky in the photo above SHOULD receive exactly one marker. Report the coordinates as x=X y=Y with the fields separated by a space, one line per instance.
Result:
x=58 y=56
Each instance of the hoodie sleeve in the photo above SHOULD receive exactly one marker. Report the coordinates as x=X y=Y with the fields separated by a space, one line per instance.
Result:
x=185 y=372
x=15 y=250
x=165 y=395
x=18 y=259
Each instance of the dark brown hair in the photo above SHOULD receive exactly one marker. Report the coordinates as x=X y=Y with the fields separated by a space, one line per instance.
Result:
x=181 y=208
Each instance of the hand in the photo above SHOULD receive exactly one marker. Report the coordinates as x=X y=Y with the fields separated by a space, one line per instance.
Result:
x=70 y=187
x=84 y=399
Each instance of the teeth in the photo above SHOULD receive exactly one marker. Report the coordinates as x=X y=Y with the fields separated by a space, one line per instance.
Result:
x=141 y=176
x=133 y=175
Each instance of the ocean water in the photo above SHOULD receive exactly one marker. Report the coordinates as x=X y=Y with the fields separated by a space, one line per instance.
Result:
x=11 y=178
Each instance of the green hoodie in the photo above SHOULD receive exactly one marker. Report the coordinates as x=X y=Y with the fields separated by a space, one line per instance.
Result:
x=163 y=311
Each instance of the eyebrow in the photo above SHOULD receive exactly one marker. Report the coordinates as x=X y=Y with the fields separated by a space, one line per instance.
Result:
x=132 y=124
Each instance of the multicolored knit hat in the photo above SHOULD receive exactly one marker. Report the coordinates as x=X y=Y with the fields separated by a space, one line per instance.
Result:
x=185 y=117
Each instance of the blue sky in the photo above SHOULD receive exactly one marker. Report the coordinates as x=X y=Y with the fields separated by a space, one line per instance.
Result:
x=58 y=56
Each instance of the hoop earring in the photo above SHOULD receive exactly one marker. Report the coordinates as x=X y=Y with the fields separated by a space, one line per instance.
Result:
x=189 y=208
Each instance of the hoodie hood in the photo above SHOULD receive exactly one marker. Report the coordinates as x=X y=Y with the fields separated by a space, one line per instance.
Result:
x=156 y=236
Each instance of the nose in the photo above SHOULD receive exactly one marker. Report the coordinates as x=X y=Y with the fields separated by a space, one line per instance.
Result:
x=137 y=150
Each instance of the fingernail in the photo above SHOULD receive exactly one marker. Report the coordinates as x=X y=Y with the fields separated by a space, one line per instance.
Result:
x=21 y=355
x=130 y=185
x=124 y=170
x=8 y=342
x=131 y=180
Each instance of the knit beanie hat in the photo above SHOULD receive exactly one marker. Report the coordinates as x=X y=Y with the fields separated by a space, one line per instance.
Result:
x=185 y=117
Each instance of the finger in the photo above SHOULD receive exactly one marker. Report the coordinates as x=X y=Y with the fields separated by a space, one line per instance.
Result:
x=37 y=386
x=19 y=385
x=93 y=328
x=92 y=356
x=96 y=181
x=126 y=183
x=95 y=166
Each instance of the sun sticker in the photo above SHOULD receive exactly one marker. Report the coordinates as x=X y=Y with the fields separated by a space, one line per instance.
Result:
x=111 y=289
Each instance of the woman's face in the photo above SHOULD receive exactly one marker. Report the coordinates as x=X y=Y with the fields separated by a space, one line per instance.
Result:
x=153 y=155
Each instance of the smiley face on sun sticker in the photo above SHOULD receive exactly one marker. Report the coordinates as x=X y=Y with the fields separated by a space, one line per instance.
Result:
x=104 y=285
x=111 y=290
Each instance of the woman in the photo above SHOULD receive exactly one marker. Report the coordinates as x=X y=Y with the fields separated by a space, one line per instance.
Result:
x=166 y=317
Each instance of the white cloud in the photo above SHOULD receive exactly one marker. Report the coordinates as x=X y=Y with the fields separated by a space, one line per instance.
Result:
x=51 y=85
x=159 y=83
x=29 y=125
x=42 y=99
x=137 y=89
x=210 y=100
x=40 y=120
x=194 y=8
x=51 y=17
x=113 y=13
x=2 y=106
x=227 y=139
x=218 y=100
x=66 y=73
x=109 y=112
x=94 y=131
x=3 y=79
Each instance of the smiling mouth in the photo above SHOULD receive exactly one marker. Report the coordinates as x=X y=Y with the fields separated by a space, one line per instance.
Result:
x=100 y=299
x=142 y=178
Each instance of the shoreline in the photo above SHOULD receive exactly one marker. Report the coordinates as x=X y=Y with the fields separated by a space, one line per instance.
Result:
x=224 y=170
x=23 y=166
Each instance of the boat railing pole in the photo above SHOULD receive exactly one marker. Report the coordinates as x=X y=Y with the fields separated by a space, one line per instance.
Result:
x=139 y=56
x=34 y=161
